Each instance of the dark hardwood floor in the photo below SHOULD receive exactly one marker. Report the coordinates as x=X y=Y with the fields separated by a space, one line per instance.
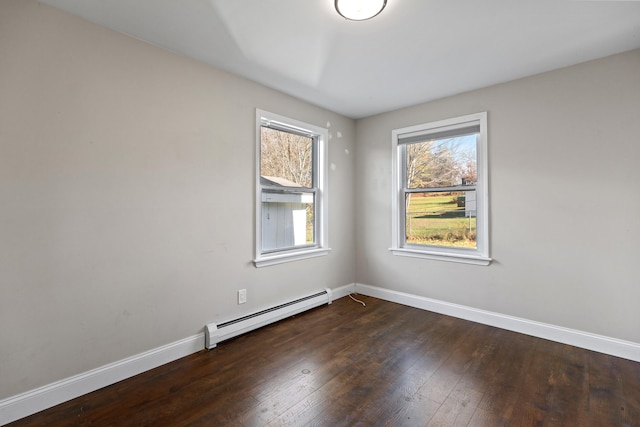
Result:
x=380 y=365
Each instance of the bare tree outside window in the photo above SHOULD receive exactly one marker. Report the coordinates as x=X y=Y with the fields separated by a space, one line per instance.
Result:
x=286 y=155
x=441 y=163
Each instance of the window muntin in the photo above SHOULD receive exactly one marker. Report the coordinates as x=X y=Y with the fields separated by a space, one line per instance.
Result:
x=291 y=195
x=440 y=190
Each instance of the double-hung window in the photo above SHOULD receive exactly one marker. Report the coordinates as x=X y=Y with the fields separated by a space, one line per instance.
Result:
x=440 y=196
x=291 y=191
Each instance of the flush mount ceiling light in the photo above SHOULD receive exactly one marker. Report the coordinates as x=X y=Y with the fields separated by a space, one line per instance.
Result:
x=359 y=10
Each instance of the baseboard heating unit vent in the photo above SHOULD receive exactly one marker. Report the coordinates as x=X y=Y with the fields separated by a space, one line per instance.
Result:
x=218 y=332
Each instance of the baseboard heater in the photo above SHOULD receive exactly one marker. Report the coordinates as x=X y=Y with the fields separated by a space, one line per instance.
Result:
x=218 y=332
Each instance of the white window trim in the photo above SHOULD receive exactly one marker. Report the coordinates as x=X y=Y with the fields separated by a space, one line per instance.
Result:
x=478 y=256
x=321 y=246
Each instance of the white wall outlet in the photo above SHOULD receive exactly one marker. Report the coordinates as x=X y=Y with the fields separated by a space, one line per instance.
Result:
x=242 y=296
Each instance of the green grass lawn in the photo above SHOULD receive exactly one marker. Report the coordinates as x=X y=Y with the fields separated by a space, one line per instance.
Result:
x=438 y=220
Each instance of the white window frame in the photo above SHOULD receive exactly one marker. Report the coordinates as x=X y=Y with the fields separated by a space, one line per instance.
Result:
x=477 y=256
x=321 y=244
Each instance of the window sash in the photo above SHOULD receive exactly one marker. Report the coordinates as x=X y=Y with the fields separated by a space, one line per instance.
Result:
x=452 y=215
x=418 y=137
x=315 y=227
x=291 y=191
x=314 y=150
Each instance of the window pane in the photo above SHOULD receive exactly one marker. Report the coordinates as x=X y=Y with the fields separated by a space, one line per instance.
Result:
x=287 y=220
x=442 y=163
x=286 y=159
x=441 y=219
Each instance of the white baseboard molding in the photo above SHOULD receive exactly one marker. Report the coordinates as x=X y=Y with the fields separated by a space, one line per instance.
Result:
x=28 y=403
x=343 y=291
x=602 y=344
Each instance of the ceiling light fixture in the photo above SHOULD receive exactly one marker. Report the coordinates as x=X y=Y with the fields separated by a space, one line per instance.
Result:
x=359 y=10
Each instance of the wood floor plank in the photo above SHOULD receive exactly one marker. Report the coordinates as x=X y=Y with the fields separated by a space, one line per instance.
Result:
x=458 y=408
x=379 y=365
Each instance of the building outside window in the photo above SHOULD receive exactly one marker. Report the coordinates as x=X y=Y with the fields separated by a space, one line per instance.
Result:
x=291 y=196
x=440 y=200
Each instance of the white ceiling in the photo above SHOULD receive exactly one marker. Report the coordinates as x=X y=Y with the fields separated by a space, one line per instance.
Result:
x=414 y=51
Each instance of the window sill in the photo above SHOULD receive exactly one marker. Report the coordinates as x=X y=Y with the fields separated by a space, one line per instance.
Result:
x=440 y=256
x=267 y=260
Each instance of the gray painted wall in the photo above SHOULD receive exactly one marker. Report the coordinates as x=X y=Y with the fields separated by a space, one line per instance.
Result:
x=564 y=200
x=127 y=189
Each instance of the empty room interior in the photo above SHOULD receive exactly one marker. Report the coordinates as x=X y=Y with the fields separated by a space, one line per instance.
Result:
x=459 y=243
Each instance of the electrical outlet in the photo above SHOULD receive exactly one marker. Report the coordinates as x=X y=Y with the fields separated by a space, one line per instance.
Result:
x=242 y=296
